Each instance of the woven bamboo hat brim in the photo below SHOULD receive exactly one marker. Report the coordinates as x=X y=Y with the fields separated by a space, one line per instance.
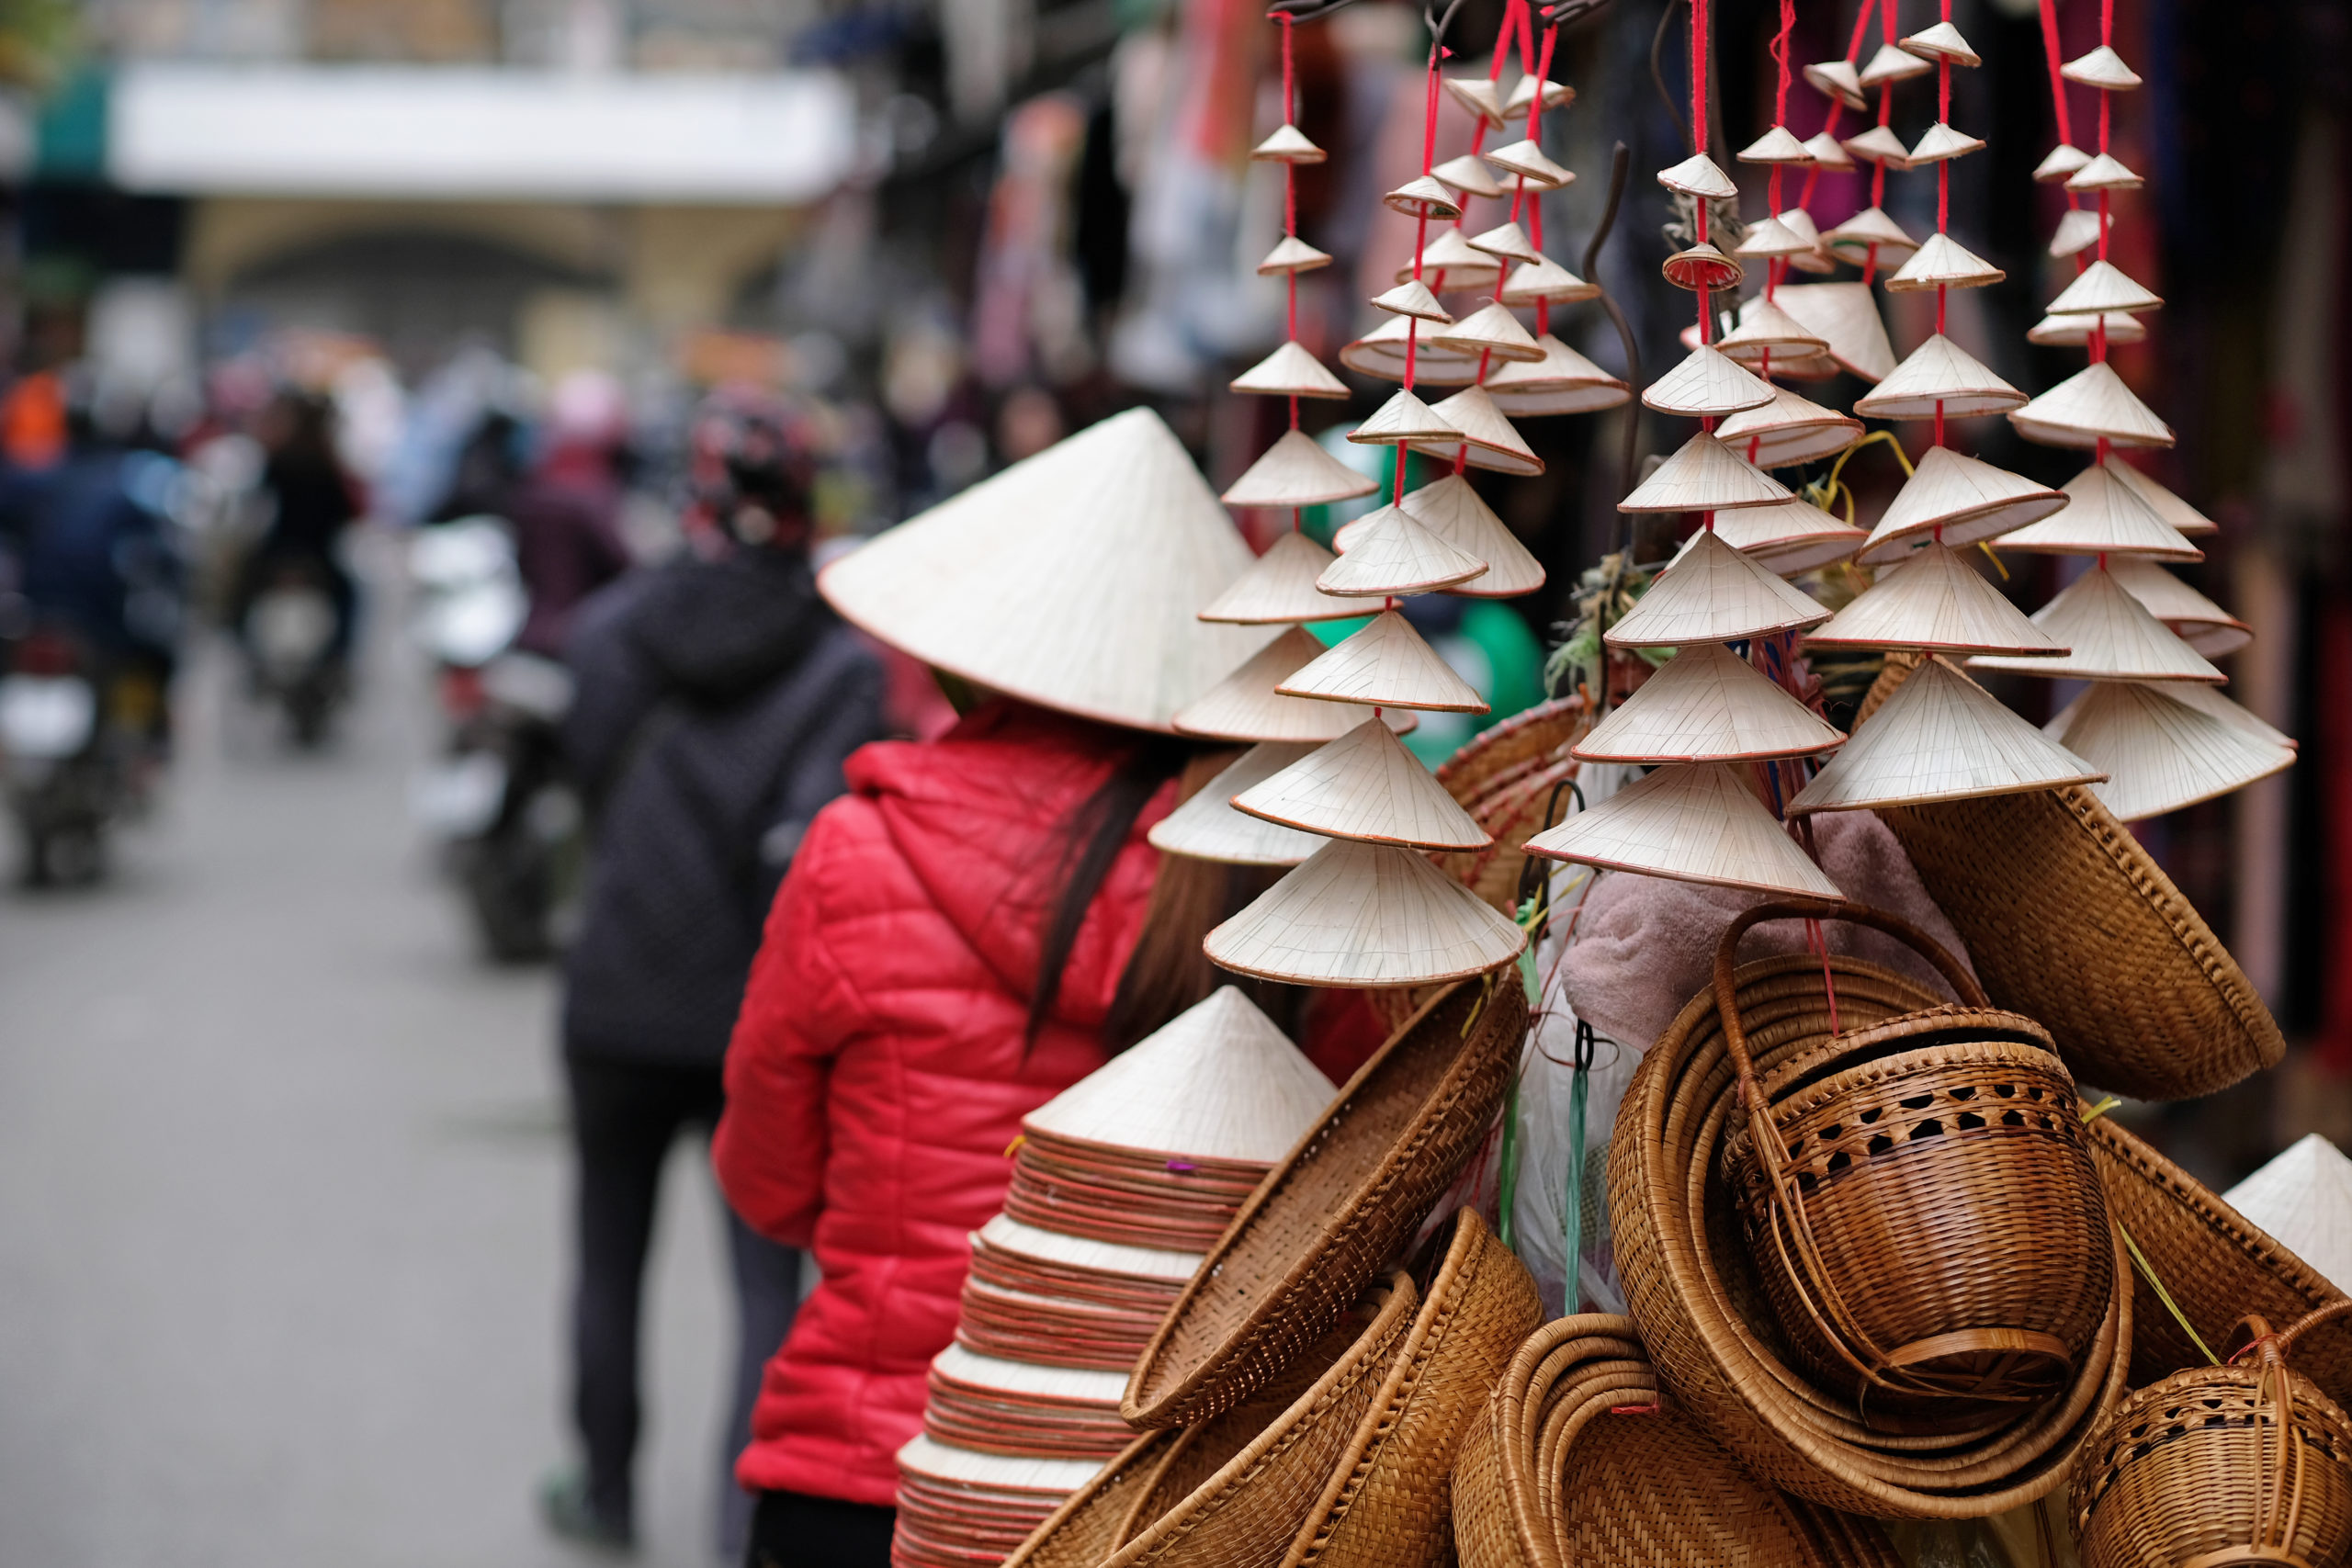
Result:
x=1768 y=239
x=1699 y=175
x=1940 y=737
x=2075 y=332
x=1828 y=152
x=2160 y=754
x=2103 y=173
x=1469 y=174
x=1485 y=431
x=1836 y=79
x=1556 y=96
x=1292 y=254
x=1526 y=161
x=2110 y=638
x=1789 y=430
x=1891 y=63
x=1294 y=471
x=1789 y=539
x=2077 y=230
x=1412 y=299
x=1707 y=383
x=1279 y=588
x=1005 y=1234
x=2304 y=1198
x=2104 y=517
x=2087 y=407
x=2196 y=620
x=1002 y=1473
x=1245 y=705
x=1386 y=664
x=1288 y=144
x=2102 y=286
x=1390 y=553
x=1702 y=265
x=1563 y=381
x=1422 y=197
x=1764 y=328
x=1403 y=418
x=1450 y=509
x=1480 y=97
x=1939 y=371
x=1447 y=260
x=1933 y=600
x=1492 y=330
x=1712 y=593
x=1506 y=240
x=1966 y=497
x=2101 y=68
x=1942 y=41
x=2166 y=505
x=1706 y=704
x=1705 y=475
x=1879 y=145
x=1070 y=580
x=1207 y=827
x=1777 y=145
x=1940 y=262
x=1854 y=239
x=1545 y=282
x=1364 y=914
x=1365 y=785
x=1348 y=1197
x=1847 y=315
x=1940 y=143
x=1023 y=1377
x=1693 y=823
x=1291 y=371
x=2059 y=163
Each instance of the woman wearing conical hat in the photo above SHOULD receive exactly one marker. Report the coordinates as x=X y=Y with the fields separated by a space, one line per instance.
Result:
x=976 y=926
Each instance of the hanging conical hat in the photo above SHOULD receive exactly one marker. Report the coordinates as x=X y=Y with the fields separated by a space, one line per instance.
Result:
x=1563 y=381
x=2112 y=637
x=1777 y=145
x=1448 y=262
x=1545 y=281
x=1798 y=221
x=1294 y=471
x=1422 y=197
x=1506 y=240
x=1005 y=1234
x=2196 y=620
x=1245 y=705
x=1279 y=588
x=2060 y=162
x=1768 y=239
x=1480 y=97
x=2104 y=517
x=1703 y=475
x=1871 y=226
x=1493 y=443
x=1694 y=823
x=2160 y=754
x=1847 y=315
x=1942 y=41
x=1386 y=664
x=1812 y=367
x=1836 y=79
x=1292 y=254
x=1381 y=352
x=2091 y=404
x=1940 y=736
x=1879 y=145
x=1828 y=151
x=1469 y=174
x=2208 y=700
x=1942 y=264
x=1968 y=498
x=1765 y=328
x=2101 y=68
x=1702 y=265
x=1402 y=418
x=1932 y=599
x=1556 y=95
x=1791 y=538
x=1207 y=827
x=1070 y=580
x=1289 y=371
x=1712 y=593
x=1288 y=144
x=1218 y=1081
x=1450 y=509
x=1365 y=785
x=1390 y=553
x=1412 y=297
x=1940 y=143
x=1699 y=175
x=1708 y=383
x=1492 y=330
x=2176 y=512
x=2102 y=286
x=2077 y=230
x=1788 y=430
x=2075 y=332
x=2304 y=1199
x=1360 y=914
x=1525 y=161
x=2104 y=172
x=1707 y=705
x=1891 y=63
x=1939 y=370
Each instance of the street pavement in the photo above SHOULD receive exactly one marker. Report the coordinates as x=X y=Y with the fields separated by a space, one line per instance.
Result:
x=282 y=1191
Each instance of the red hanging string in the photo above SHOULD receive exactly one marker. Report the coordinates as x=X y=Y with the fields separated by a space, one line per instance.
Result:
x=1837 y=104
x=1779 y=106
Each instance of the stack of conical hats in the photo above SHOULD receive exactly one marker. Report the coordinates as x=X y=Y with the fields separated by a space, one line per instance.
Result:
x=1120 y=1184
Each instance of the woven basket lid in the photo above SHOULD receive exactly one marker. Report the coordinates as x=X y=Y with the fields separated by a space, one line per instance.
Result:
x=2087 y=407
x=1365 y=785
x=1789 y=430
x=1940 y=736
x=1070 y=580
x=1245 y=705
x=1278 y=590
x=1940 y=143
x=2101 y=68
x=2077 y=230
x=1966 y=497
x=1871 y=228
x=1699 y=175
x=1545 y=282
x=2110 y=638
x=2102 y=286
x=2075 y=332
x=1563 y=381
x=1485 y=431
x=1389 y=553
x=1931 y=599
x=975 y=1371
x=2059 y=163
x=2160 y=754
x=1289 y=371
x=1469 y=174
x=1777 y=145
x=1506 y=240
x=1692 y=823
x=2103 y=172
x=1292 y=254
x=1768 y=239
x=1450 y=509
x=1836 y=80
x=1001 y=1473
x=1288 y=144
x=1218 y=1081
x=1365 y=914
x=1480 y=97
x=1939 y=371
x=1206 y=827
x=1828 y=152
x=1490 y=329
x=1942 y=41
x=1448 y=261
x=1707 y=383
x=1890 y=63
x=1791 y=538
x=1006 y=1234
x=1422 y=197
x=1294 y=471
x=1712 y=593
x=1556 y=96
x=1940 y=262
x=2203 y=625
x=1525 y=161
x=1706 y=704
x=1386 y=664
x=1403 y=418
x=1879 y=145
x=1703 y=475
x=1847 y=315
x=2104 y=516
x=2304 y=1198
x=1764 y=328
x=1412 y=299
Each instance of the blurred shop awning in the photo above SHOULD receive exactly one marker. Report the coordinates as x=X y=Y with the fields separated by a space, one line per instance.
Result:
x=463 y=133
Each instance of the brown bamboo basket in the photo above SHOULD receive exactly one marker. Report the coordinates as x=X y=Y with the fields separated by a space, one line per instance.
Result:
x=1929 y=1226
x=1339 y=1208
x=2243 y=1463
x=1389 y=1503
x=1693 y=1288
x=1505 y=777
x=1580 y=1457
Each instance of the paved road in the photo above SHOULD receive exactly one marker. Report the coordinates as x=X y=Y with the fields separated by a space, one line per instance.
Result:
x=281 y=1194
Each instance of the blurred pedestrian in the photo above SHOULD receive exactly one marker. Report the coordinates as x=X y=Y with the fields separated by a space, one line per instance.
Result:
x=312 y=502
x=717 y=698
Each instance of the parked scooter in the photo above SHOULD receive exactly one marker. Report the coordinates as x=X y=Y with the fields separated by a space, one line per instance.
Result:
x=69 y=773
x=290 y=638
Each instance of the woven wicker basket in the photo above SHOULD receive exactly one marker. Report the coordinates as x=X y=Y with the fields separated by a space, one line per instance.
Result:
x=2243 y=1463
x=1339 y=1208
x=1693 y=1288
x=1505 y=777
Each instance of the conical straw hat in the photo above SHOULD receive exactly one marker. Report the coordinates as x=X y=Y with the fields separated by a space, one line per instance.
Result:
x=2111 y=638
x=1891 y=63
x=1942 y=264
x=1492 y=443
x=1447 y=260
x=1942 y=41
x=2102 y=286
x=1704 y=476
x=1556 y=95
x=2201 y=623
x=1390 y=553
x=968 y=1367
x=1708 y=383
x=1450 y=509
x=1218 y=1081
x=2091 y=404
x=1290 y=370
x=2059 y=163
x=2159 y=754
x=2182 y=516
x=1940 y=736
x=1412 y=297
x=1777 y=145
x=1694 y=823
x=1506 y=240
x=1070 y=580
x=1967 y=497
x=1702 y=265
x=1699 y=175
x=1208 y=827
x=1386 y=665
x=1934 y=600
x=970 y=1467
x=1546 y=281
x=1812 y=367
x=1798 y=221
x=1706 y=704
x=1764 y=328
x=1563 y=381
x=1422 y=197
x=1871 y=226
x=1879 y=145
x=2101 y=68
x=1711 y=593
x=1788 y=430
x=2104 y=172
x=1245 y=705
x=1469 y=174
x=1847 y=315
x=2304 y=1199
x=1365 y=785
x=1939 y=142
x=1836 y=79
x=2104 y=517
x=2077 y=230
x=2075 y=332
x=1292 y=254
x=1480 y=97
x=1939 y=370
x=1359 y=914
x=1402 y=418
x=1279 y=588
x=1788 y=539
x=1525 y=161
x=1492 y=330
x=1005 y=1234
x=1768 y=239
x=1828 y=151
x=1381 y=352
x=1294 y=471
x=1288 y=144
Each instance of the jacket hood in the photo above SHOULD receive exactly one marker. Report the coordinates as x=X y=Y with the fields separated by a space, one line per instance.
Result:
x=718 y=629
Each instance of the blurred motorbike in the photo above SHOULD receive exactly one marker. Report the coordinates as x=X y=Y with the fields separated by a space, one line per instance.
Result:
x=69 y=772
x=290 y=637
